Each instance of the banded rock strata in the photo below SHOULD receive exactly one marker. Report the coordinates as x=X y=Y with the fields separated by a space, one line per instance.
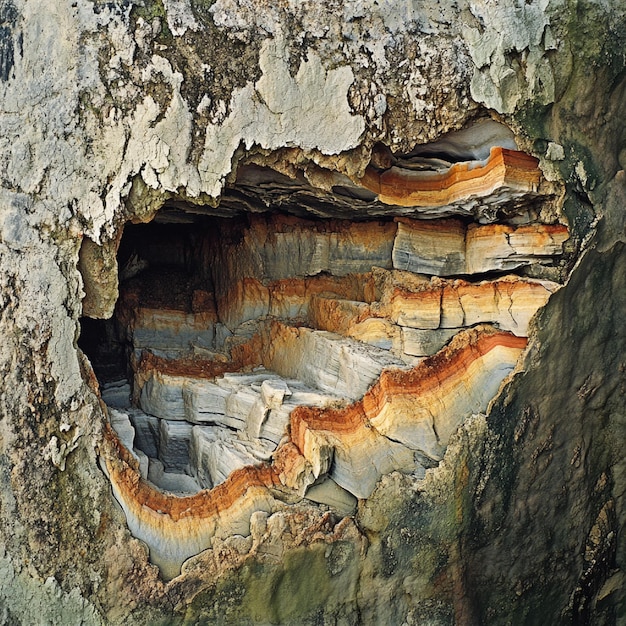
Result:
x=507 y=173
x=277 y=360
x=448 y=248
x=398 y=423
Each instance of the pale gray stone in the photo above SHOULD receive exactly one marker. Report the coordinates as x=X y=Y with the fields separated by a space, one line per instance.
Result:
x=429 y=252
x=330 y=493
x=147 y=432
x=416 y=342
x=174 y=443
x=174 y=482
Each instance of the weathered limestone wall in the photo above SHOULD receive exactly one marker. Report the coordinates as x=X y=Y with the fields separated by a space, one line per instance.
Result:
x=109 y=109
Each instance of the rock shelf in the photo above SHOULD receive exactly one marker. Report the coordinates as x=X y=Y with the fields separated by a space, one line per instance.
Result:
x=400 y=424
x=506 y=174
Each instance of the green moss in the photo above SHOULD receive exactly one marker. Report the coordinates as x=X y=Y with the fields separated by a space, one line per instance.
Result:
x=597 y=37
x=289 y=592
x=297 y=588
x=532 y=117
x=148 y=10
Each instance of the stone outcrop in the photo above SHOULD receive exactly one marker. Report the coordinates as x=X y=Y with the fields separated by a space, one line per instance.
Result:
x=312 y=313
x=176 y=527
x=447 y=248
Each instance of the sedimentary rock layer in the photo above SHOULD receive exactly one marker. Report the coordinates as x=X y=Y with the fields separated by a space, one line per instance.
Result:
x=514 y=172
x=509 y=303
x=248 y=271
x=418 y=317
x=407 y=416
x=272 y=247
x=448 y=247
x=289 y=298
x=415 y=411
x=175 y=528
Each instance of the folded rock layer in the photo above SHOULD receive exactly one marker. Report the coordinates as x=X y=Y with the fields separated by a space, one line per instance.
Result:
x=174 y=527
x=510 y=170
x=418 y=409
x=404 y=412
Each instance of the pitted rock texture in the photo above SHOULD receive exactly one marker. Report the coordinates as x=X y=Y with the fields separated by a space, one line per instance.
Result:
x=257 y=119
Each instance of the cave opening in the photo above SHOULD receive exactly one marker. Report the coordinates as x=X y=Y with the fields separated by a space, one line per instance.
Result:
x=295 y=345
x=224 y=326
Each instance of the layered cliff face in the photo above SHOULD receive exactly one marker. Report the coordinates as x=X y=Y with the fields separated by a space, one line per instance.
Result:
x=312 y=314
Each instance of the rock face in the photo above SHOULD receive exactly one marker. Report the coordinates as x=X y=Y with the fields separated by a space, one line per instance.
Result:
x=312 y=314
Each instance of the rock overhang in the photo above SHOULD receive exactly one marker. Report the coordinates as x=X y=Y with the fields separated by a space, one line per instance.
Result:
x=391 y=116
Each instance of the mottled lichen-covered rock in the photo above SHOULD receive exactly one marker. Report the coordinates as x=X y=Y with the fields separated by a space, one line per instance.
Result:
x=187 y=119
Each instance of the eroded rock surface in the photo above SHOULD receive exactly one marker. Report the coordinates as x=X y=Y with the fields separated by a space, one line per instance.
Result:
x=270 y=281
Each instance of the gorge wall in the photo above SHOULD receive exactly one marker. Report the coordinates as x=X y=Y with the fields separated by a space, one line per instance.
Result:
x=312 y=313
